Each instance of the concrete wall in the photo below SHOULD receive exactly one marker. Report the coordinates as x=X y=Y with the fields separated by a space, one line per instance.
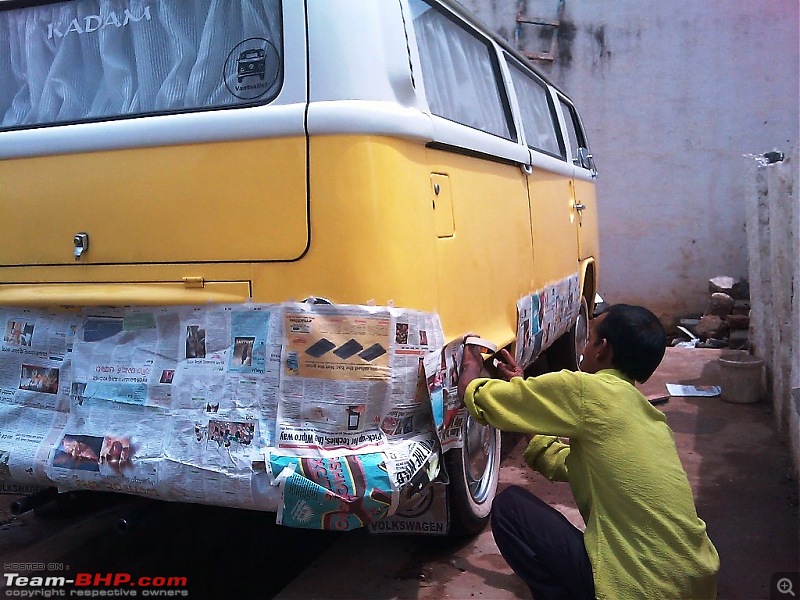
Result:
x=672 y=94
x=773 y=239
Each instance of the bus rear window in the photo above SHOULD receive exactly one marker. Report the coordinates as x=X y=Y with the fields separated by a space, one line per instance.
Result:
x=88 y=60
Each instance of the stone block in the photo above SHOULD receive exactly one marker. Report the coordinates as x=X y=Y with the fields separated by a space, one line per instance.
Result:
x=724 y=284
x=711 y=326
x=735 y=321
x=720 y=304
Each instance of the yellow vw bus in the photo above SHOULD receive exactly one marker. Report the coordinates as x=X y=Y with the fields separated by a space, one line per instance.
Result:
x=381 y=152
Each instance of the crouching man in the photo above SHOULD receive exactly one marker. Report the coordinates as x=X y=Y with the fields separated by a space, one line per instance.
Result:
x=643 y=538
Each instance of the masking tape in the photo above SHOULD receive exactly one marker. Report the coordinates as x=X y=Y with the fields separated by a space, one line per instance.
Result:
x=477 y=341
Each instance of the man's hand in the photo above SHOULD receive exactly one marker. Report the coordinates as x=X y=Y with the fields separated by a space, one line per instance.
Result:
x=507 y=367
x=471 y=365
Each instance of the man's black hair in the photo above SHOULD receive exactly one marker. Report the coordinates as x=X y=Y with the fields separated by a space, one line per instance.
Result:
x=637 y=339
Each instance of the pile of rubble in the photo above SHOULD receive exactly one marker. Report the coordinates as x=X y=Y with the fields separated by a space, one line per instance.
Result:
x=726 y=321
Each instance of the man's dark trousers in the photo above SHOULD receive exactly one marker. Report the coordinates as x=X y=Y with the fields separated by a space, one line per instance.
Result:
x=541 y=546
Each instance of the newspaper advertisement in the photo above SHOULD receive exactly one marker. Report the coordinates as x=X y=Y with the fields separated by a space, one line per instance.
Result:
x=427 y=514
x=350 y=378
x=353 y=384
x=338 y=493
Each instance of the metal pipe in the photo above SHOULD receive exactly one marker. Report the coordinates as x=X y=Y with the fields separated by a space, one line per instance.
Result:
x=28 y=503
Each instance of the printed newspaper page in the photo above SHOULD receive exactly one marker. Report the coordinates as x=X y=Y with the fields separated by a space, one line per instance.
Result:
x=173 y=402
x=336 y=377
x=35 y=379
x=320 y=413
x=545 y=315
x=354 y=400
x=441 y=375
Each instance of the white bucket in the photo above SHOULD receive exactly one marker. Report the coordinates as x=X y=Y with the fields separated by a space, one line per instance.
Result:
x=741 y=378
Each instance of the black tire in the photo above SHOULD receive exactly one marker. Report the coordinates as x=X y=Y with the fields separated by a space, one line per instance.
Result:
x=474 y=470
x=566 y=351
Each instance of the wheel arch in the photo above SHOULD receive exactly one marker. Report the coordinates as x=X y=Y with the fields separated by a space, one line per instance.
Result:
x=588 y=281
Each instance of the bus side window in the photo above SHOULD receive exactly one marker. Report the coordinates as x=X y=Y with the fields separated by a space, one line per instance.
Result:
x=460 y=72
x=579 y=147
x=541 y=132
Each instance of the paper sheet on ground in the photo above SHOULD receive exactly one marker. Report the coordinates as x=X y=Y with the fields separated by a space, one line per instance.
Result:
x=676 y=389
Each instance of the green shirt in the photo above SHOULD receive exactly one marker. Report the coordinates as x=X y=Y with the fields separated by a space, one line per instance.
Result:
x=643 y=536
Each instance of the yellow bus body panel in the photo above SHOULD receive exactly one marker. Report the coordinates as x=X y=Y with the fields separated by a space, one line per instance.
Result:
x=230 y=201
x=372 y=228
x=588 y=234
x=487 y=264
x=183 y=230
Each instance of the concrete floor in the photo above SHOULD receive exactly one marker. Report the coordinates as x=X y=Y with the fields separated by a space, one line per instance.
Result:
x=738 y=467
x=741 y=474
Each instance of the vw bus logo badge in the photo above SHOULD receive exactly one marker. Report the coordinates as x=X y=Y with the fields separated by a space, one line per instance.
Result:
x=251 y=68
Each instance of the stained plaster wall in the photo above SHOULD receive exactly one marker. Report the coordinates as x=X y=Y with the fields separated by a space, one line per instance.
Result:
x=672 y=95
x=773 y=222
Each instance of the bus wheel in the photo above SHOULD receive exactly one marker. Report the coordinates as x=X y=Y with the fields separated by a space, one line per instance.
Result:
x=566 y=351
x=474 y=470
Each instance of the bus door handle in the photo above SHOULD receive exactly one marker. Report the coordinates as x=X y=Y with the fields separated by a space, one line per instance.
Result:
x=579 y=208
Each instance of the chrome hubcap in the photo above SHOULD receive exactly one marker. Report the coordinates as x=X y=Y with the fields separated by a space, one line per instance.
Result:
x=480 y=442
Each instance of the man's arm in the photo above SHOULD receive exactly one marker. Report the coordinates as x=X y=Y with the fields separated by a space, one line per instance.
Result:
x=550 y=404
x=547 y=454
